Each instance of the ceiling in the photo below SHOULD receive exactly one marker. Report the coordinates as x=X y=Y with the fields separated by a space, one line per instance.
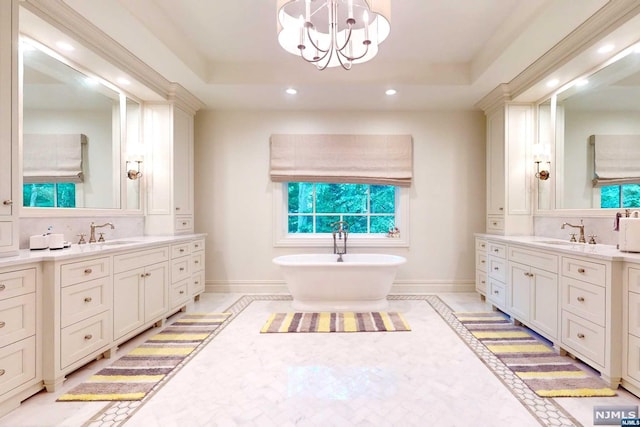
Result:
x=440 y=55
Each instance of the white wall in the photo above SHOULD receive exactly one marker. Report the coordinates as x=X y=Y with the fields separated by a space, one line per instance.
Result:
x=233 y=193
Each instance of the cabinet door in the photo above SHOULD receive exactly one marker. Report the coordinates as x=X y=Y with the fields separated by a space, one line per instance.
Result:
x=520 y=295
x=544 y=302
x=495 y=163
x=156 y=291
x=128 y=301
x=182 y=161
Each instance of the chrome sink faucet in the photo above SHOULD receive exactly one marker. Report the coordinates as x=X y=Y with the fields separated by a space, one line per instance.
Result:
x=92 y=236
x=581 y=239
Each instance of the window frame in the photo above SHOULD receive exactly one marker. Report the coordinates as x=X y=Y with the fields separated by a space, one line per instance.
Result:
x=282 y=238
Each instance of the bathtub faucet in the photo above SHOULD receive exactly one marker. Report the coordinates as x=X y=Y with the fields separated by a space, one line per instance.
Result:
x=340 y=229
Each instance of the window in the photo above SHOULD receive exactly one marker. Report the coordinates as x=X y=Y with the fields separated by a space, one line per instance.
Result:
x=620 y=196
x=313 y=207
x=49 y=195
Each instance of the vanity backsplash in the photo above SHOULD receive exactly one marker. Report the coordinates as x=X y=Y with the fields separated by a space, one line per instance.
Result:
x=601 y=227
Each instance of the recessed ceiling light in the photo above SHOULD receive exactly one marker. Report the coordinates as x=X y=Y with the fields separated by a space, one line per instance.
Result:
x=553 y=83
x=291 y=91
x=606 y=48
x=65 y=46
x=123 y=81
x=391 y=92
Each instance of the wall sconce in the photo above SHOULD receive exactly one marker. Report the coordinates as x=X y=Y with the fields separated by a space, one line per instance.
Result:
x=134 y=170
x=541 y=153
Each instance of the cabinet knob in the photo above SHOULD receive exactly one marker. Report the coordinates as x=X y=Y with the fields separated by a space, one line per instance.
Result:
x=88 y=299
x=177 y=208
x=482 y=245
x=88 y=271
x=197 y=246
x=181 y=292
x=88 y=337
x=2 y=371
x=181 y=250
x=147 y=274
x=581 y=270
x=2 y=324
x=496 y=268
x=8 y=202
x=196 y=282
x=181 y=268
x=580 y=299
x=496 y=292
x=494 y=223
x=500 y=209
x=197 y=262
x=483 y=261
x=184 y=223
x=142 y=275
x=2 y=287
x=580 y=335
x=482 y=281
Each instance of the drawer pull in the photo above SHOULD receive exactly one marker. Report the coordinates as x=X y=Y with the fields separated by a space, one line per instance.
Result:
x=142 y=275
x=88 y=337
x=496 y=292
x=580 y=299
x=482 y=262
x=2 y=324
x=177 y=208
x=88 y=299
x=181 y=250
x=581 y=270
x=181 y=268
x=580 y=335
x=88 y=271
x=2 y=371
x=197 y=246
x=482 y=281
x=197 y=283
x=2 y=287
x=482 y=245
x=496 y=250
x=181 y=292
x=500 y=209
x=184 y=223
x=197 y=262
x=496 y=268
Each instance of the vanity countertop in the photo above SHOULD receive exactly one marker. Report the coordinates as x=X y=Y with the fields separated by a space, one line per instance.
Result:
x=103 y=248
x=597 y=251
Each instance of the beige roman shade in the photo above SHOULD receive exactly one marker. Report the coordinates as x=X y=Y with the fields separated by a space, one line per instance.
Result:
x=52 y=158
x=367 y=159
x=617 y=159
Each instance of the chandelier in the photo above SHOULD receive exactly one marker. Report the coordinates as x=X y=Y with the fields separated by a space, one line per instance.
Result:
x=332 y=33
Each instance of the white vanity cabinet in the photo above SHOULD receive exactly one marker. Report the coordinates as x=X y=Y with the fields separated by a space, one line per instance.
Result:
x=631 y=328
x=170 y=178
x=20 y=334
x=591 y=292
x=77 y=297
x=9 y=190
x=509 y=130
x=140 y=290
x=481 y=266
x=533 y=286
x=496 y=274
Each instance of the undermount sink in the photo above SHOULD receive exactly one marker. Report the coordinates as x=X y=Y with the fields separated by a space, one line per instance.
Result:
x=557 y=242
x=118 y=242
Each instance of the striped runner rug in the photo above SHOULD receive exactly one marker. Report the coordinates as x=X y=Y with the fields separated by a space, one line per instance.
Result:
x=537 y=363
x=378 y=321
x=134 y=375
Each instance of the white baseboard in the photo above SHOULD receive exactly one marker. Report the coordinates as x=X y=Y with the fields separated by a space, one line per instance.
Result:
x=399 y=287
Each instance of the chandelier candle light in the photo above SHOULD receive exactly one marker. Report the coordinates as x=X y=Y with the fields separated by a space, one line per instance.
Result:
x=332 y=33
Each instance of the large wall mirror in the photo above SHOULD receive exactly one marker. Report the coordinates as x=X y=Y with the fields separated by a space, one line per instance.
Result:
x=74 y=132
x=593 y=122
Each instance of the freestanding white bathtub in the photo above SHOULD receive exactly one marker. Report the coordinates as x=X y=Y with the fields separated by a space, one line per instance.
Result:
x=318 y=282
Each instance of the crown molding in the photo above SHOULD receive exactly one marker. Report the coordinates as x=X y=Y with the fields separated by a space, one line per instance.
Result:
x=495 y=99
x=66 y=19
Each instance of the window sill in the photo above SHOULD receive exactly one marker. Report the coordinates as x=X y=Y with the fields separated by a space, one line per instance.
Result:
x=323 y=241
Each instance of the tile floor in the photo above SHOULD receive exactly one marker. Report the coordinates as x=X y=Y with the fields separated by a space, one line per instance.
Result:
x=435 y=375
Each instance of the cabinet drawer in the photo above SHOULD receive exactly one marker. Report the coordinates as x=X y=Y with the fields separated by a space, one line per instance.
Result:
x=634 y=314
x=184 y=223
x=17 y=364
x=584 y=338
x=634 y=279
x=180 y=269
x=197 y=261
x=84 y=338
x=138 y=259
x=497 y=268
x=84 y=270
x=481 y=245
x=497 y=293
x=633 y=358
x=537 y=259
x=584 y=299
x=17 y=318
x=180 y=250
x=197 y=281
x=481 y=282
x=498 y=250
x=81 y=301
x=179 y=293
x=587 y=271
x=18 y=282
x=197 y=245
x=495 y=224
x=481 y=261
